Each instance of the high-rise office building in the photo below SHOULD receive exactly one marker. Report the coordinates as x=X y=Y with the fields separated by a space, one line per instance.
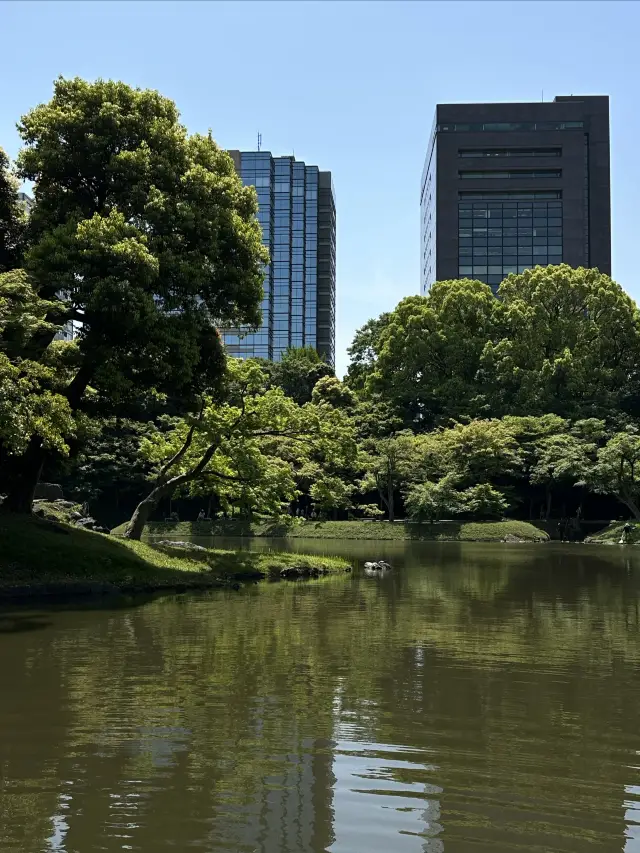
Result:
x=508 y=186
x=297 y=212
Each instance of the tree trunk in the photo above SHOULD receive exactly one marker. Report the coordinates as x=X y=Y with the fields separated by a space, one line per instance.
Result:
x=144 y=509
x=390 y=499
x=548 y=509
x=632 y=505
x=23 y=478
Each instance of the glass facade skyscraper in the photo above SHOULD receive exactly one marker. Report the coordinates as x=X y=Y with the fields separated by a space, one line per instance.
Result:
x=296 y=209
x=507 y=187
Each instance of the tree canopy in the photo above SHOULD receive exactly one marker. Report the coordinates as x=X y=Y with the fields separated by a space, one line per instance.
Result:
x=141 y=234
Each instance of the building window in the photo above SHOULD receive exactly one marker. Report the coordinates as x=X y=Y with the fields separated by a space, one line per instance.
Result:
x=510 y=152
x=524 y=174
x=507 y=126
x=498 y=237
x=508 y=195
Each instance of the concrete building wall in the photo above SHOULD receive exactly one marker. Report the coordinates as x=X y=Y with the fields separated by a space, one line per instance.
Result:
x=550 y=157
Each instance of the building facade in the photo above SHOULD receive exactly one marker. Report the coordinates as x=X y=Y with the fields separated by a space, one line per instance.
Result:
x=297 y=212
x=509 y=186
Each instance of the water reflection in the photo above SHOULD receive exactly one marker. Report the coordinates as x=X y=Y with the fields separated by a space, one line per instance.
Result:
x=476 y=698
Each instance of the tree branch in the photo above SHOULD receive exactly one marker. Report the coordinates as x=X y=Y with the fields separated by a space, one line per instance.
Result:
x=185 y=446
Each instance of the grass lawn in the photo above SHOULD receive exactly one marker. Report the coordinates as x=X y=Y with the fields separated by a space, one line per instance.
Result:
x=611 y=534
x=475 y=531
x=45 y=557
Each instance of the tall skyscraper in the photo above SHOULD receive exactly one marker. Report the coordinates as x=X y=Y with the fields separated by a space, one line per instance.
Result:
x=297 y=213
x=508 y=186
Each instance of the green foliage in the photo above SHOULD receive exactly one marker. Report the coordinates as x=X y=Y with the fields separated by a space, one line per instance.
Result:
x=429 y=351
x=617 y=470
x=13 y=218
x=297 y=372
x=569 y=343
x=36 y=552
x=143 y=235
x=369 y=511
x=558 y=340
x=31 y=402
x=433 y=500
x=287 y=527
x=478 y=452
x=388 y=463
x=333 y=392
x=249 y=449
x=363 y=352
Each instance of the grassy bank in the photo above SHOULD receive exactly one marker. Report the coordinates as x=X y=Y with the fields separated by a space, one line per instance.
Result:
x=612 y=534
x=480 y=531
x=43 y=557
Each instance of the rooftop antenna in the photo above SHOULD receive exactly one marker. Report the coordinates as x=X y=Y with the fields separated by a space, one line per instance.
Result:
x=259 y=140
x=542 y=95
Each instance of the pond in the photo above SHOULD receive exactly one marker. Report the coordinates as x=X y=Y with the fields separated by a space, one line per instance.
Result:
x=476 y=698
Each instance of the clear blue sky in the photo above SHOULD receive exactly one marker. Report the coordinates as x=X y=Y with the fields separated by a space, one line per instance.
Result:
x=350 y=87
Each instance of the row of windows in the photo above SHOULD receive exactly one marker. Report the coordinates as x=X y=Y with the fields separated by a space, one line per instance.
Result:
x=525 y=174
x=499 y=126
x=508 y=209
x=495 y=237
x=504 y=268
x=510 y=152
x=507 y=195
x=520 y=240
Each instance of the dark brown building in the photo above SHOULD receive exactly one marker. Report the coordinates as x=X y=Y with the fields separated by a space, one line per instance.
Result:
x=509 y=186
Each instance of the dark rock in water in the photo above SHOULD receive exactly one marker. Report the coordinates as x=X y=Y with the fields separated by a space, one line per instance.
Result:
x=49 y=491
x=348 y=568
x=511 y=538
x=180 y=546
x=378 y=566
x=301 y=572
x=236 y=586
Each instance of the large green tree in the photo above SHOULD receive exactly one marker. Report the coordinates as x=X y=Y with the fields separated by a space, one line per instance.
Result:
x=143 y=235
x=617 y=470
x=568 y=343
x=12 y=217
x=429 y=351
x=247 y=448
x=297 y=372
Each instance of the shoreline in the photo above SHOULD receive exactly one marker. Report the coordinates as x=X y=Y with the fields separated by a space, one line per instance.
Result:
x=444 y=531
x=44 y=559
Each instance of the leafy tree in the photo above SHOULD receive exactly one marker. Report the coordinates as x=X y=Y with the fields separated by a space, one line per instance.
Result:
x=482 y=451
x=333 y=392
x=429 y=353
x=431 y=500
x=569 y=344
x=141 y=233
x=387 y=464
x=298 y=371
x=12 y=218
x=617 y=470
x=246 y=448
x=364 y=350
x=109 y=464
x=482 y=501
x=31 y=405
x=562 y=458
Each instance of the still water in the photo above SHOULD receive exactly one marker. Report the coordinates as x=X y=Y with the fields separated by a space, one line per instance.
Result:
x=477 y=698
